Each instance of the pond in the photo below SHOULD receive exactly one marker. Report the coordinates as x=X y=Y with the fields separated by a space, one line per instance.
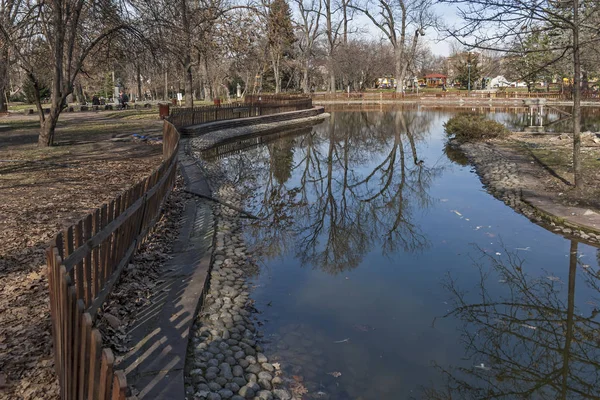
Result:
x=388 y=272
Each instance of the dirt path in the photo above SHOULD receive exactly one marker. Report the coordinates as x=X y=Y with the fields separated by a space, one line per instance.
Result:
x=43 y=190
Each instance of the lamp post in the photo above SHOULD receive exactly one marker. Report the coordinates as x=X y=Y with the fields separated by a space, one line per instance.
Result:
x=469 y=82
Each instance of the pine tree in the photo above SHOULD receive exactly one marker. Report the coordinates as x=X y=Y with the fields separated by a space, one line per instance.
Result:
x=280 y=35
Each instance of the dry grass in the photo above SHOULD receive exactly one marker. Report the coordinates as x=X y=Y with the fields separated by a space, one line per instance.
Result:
x=43 y=190
x=556 y=155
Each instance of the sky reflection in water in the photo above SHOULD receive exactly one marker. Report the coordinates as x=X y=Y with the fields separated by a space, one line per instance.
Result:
x=384 y=260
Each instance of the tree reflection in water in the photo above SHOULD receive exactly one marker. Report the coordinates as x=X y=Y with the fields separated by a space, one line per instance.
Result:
x=530 y=343
x=358 y=181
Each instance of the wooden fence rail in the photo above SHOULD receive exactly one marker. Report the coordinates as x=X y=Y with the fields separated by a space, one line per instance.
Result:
x=272 y=105
x=84 y=263
x=379 y=96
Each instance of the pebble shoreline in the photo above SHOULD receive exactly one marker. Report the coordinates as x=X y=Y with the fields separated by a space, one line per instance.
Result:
x=501 y=177
x=225 y=359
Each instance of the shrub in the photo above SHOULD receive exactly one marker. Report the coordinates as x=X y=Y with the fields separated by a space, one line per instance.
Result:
x=471 y=127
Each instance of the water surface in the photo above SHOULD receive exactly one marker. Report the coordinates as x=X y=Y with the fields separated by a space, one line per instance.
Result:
x=388 y=271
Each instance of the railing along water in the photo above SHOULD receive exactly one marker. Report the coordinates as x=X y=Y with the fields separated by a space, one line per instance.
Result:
x=252 y=107
x=86 y=259
x=380 y=96
x=84 y=263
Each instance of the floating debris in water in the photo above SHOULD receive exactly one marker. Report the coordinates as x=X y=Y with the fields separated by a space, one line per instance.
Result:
x=498 y=254
x=585 y=266
x=363 y=328
x=335 y=374
x=523 y=248
x=553 y=278
x=533 y=328
x=501 y=280
x=342 y=341
x=443 y=200
x=483 y=367
x=478 y=228
x=456 y=212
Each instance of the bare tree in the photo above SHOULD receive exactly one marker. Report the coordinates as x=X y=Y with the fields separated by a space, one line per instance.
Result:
x=66 y=33
x=333 y=25
x=309 y=27
x=497 y=24
x=401 y=22
x=9 y=20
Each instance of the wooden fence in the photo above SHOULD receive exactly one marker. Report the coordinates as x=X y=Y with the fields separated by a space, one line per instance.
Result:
x=277 y=104
x=380 y=96
x=84 y=263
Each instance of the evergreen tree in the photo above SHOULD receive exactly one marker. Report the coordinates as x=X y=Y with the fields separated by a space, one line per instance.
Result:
x=468 y=66
x=280 y=35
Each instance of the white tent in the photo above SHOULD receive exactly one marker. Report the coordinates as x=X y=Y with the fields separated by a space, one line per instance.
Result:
x=499 y=81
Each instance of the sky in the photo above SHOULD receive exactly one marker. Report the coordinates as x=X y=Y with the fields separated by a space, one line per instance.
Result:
x=446 y=12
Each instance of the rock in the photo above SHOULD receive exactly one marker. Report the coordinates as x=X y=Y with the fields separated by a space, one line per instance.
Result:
x=254 y=368
x=202 y=394
x=211 y=376
x=268 y=367
x=214 y=386
x=265 y=395
x=238 y=371
x=203 y=387
x=240 y=381
x=265 y=384
x=265 y=375
x=246 y=392
x=214 y=396
x=282 y=394
x=113 y=321
x=221 y=380
x=225 y=393
x=277 y=381
x=260 y=357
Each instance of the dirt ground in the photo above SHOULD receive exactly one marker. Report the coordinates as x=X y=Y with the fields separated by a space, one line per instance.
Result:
x=555 y=154
x=42 y=191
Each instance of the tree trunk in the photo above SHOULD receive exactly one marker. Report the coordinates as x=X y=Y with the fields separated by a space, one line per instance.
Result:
x=275 y=61
x=47 y=130
x=48 y=124
x=79 y=94
x=305 y=88
x=139 y=81
x=576 y=98
x=166 y=87
x=399 y=60
x=3 y=79
x=331 y=81
x=189 y=99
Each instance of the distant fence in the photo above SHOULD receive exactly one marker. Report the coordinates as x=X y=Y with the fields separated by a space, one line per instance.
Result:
x=380 y=96
x=84 y=263
x=253 y=106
